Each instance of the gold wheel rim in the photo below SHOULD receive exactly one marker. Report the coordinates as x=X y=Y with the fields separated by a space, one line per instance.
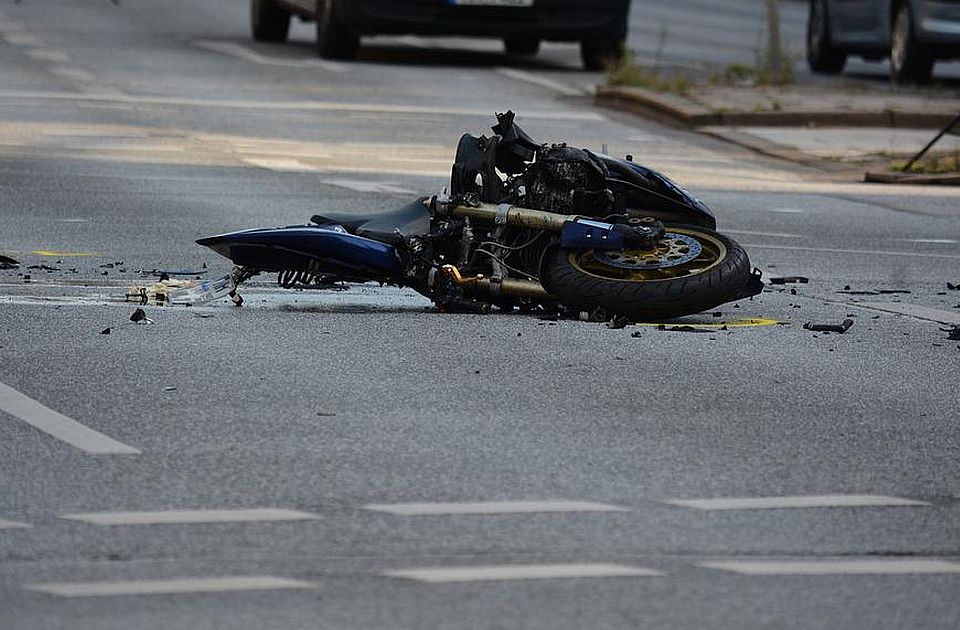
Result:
x=714 y=252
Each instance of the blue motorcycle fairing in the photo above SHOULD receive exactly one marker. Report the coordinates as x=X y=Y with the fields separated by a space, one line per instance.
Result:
x=326 y=249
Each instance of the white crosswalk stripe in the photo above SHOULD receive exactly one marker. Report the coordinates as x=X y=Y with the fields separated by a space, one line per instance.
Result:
x=784 y=502
x=170 y=517
x=168 y=586
x=491 y=507
x=521 y=572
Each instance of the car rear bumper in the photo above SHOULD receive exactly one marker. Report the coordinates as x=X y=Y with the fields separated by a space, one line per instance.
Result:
x=568 y=20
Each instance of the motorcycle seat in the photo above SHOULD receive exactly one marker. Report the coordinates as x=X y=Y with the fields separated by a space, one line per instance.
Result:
x=387 y=227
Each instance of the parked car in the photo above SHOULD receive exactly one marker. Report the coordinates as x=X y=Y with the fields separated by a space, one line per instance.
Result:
x=912 y=33
x=599 y=25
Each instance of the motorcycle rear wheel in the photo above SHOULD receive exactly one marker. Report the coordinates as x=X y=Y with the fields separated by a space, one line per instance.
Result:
x=583 y=282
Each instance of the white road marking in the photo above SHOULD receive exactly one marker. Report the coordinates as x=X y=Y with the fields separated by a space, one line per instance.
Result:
x=325 y=106
x=23 y=39
x=866 y=252
x=788 y=210
x=493 y=507
x=521 y=572
x=913 y=310
x=367 y=186
x=58 y=425
x=528 y=77
x=812 y=501
x=5 y=524
x=73 y=73
x=935 y=241
x=773 y=234
x=835 y=567
x=166 y=587
x=246 y=54
x=44 y=54
x=171 y=517
x=283 y=165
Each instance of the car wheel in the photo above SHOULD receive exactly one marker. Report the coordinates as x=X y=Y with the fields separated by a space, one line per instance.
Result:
x=268 y=22
x=910 y=60
x=334 y=39
x=601 y=55
x=822 y=56
x=521 y=46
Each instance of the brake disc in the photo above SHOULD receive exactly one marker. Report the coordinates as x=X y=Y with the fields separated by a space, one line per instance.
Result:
x=671 y=251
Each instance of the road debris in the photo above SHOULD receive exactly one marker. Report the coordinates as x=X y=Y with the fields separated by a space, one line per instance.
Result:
x=175 y=291
x=139 y=316
x=953 y=287
x=8 y=263
x=690 y=329
x=105 y=331
x=43 y=268
x=837 y=328
x=790 y=280
x=953 y=334
x=618 y=322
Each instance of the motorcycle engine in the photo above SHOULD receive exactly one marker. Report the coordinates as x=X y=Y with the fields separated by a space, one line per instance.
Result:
x=567 y=181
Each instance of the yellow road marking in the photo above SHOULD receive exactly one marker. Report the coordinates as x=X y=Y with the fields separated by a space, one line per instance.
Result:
x=47 y=252
x=752 y=322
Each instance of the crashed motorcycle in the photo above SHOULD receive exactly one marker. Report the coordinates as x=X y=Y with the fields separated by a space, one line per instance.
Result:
x=525 y=225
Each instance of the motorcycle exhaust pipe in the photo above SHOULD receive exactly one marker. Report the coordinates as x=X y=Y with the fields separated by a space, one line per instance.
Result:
x=505 y=286
x=505 y=214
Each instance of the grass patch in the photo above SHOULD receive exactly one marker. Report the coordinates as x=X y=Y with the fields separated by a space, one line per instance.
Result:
x=627 y=73
x=933 y=165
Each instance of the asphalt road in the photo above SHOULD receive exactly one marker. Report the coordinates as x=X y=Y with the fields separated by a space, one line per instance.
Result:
x=263 y=459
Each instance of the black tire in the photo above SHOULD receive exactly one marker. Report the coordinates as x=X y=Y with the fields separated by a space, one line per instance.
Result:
x=822 y=56
x=527 y=47
x=601 y=55
x=334 y=39
x=910 y=60
x=719 y=275
x=268 y=21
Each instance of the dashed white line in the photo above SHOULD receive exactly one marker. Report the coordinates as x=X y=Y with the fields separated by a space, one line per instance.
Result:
x=43 y=54
x=170 y=586
x=244 y=53
x=913 y=310
x=23 y=39
x=5 y=524
x=782 y=502
x=788 y=210
x=367 y=186
x=773 y=234
x=75 y=74
x=172 y=517
x=492 y=507
x=933 y=241
x=866 y=252
x=58 y=425
x=521 y=572
x=544 y=82
x=836 y=567
x=283 y=165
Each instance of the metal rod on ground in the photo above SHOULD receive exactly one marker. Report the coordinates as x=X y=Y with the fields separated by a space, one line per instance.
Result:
x=924 y=150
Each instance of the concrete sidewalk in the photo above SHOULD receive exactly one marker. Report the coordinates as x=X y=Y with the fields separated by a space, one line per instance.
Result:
x=832 y=123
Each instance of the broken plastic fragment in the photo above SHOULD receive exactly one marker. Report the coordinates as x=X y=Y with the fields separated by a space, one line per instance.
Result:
x=179 y=292
x=790 y=280
x=8 y=263
x=837 y=328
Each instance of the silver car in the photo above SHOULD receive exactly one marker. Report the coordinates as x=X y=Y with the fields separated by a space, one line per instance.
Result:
x=912 y=33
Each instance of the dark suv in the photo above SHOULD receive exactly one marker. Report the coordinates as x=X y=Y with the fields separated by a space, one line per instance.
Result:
x=913 y=33
x=599 y=25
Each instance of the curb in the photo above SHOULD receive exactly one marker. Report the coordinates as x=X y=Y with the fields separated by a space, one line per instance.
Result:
x=670 y=108
x=946 y=179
